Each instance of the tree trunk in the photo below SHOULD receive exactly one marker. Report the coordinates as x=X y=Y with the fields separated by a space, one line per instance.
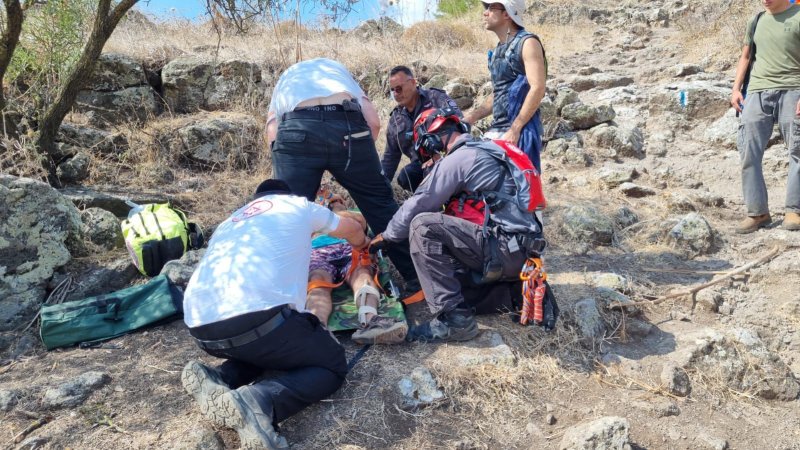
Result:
x=8 y=43
x=104 y=24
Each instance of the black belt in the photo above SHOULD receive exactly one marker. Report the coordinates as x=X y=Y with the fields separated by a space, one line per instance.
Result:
x=324 y=111
x=248 y=336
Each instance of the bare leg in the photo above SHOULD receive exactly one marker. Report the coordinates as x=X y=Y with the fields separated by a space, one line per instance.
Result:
x=363 y=276
x=319 y=301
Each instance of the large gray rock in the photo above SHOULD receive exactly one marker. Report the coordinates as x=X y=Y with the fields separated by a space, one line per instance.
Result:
x=419 y=389
x=702 y=100
x=102 y=228
x=724 y=130
x=636 y=191
x=606 y=433
x=111 y=201
x=74 y=392
x=80 y=137
x=675 y=380
x=231 y=140
x=101 y=278
x=565 y=96
x=625 y=142
x=114 y=72
x=615 y=176
x=569 y=150
x=38 y=231
x=373 y=28
x=587 y=224
x=461 y=92
x=179 y=271
x=583 y=117
x=598 y=80
x=234 y=81
x=684 y=70
x=184 y=82
x=132 y=104
x=8 y=399
x=74 y=169
x=590 y=324
x=693 y=234
x=742 y=362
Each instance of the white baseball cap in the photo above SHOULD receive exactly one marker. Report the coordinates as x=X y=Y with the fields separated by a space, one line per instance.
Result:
x=514 y=8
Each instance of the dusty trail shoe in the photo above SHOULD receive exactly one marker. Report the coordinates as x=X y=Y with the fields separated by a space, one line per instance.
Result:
x=456 y=325
x=753 y=223
x=381 y=330
x=791 y=221
x=206 y=386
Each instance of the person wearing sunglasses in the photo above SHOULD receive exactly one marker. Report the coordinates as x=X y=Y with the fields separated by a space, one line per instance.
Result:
x=411 y=101
x=518 y=68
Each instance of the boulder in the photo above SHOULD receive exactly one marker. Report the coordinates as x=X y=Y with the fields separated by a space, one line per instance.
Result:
x=615 y=176
x=102 y=277
x=565 y=96
x=74 y=169
x=114 y=72
x=675 y=380
x=547 y=111
x=695 y=100
x=74 y=392
x=437 y=81
x=39 y=230
x=8 y=400
x=132 y=104
x=184 y=82
x=625 y=217
x=724 y=130
x=461 y=92
x=419 y=389
x=233 y=81
x=636 y=191
x=111 y=201
x=625 y=142
x=583 y=117
x=568 y=150
x=209 y=141
x=587 y=224
x=95 y=140
x=590 y=324
x=601 y=80
x=372 y=28
x=606 y=433
x=693 y=234
x=102 y=228
x=611 y=281
x=684 y=70
x=179 y=271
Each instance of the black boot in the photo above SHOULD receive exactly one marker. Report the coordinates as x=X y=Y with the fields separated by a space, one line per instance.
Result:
x=456 y=325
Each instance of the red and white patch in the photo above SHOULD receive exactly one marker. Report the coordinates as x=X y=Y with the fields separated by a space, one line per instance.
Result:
x=255 y=208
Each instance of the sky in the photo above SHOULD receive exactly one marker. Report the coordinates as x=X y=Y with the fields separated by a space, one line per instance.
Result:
x=406 y=12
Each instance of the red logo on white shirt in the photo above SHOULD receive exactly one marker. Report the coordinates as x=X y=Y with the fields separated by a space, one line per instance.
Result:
x=255 y=208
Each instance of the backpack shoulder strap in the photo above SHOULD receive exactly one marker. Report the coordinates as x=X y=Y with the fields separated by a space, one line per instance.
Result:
x=752 y=33
x=516 y=47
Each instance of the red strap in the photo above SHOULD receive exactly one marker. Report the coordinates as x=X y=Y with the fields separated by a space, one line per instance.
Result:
x=414 y=298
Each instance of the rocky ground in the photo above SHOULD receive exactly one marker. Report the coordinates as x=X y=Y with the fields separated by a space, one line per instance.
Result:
x=642 y=179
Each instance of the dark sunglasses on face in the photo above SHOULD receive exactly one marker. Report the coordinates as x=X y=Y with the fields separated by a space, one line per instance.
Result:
x=493 y=7
x=399 y=89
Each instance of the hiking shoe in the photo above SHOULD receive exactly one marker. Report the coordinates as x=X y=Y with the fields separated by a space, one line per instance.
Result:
x=456 y=325
x=791 y=221
x=381 y=330
x=753 y=223
x=205 y=385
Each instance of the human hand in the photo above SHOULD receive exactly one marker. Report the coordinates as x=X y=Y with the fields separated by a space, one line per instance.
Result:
x=511 y=136
x=737 y=100
x=377 y=244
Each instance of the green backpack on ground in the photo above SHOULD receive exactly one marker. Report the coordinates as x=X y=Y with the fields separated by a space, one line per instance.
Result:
x=96 y=319
x=157 y=233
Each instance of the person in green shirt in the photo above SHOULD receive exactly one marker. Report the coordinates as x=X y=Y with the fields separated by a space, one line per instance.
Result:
x=773 y=96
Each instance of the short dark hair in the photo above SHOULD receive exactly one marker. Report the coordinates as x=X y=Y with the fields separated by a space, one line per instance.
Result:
x=401 y=69
x=272 y=186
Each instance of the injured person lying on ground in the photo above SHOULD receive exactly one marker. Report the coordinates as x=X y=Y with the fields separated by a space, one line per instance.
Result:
x=335 y=262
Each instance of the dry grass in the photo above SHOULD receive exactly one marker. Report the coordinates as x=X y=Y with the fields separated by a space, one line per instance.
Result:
x=715 y=31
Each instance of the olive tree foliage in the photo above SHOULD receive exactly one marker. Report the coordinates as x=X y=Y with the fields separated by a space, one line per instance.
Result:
x=106 y=18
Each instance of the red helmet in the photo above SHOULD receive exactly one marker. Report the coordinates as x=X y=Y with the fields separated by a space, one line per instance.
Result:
x=427 y=127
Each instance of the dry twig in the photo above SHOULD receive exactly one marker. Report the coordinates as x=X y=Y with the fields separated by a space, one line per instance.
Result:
x=777 y=250
x=39 y=421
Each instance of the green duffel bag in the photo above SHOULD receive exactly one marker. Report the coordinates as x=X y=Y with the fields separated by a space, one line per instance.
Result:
x=96 y=319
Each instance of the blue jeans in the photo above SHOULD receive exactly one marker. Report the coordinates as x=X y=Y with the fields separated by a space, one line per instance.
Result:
x=310 y=142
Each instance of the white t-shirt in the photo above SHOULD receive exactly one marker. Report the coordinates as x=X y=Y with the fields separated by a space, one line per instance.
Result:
x=318 y=77
x=257 y=259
